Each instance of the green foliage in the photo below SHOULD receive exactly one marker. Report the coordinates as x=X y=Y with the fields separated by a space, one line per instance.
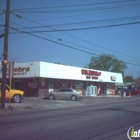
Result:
x=128 y=79
x=107 y=63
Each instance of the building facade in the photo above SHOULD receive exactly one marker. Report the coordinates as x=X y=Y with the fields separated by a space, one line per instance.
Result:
x=37 y=78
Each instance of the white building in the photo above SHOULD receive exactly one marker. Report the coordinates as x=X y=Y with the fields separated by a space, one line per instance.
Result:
x=37 y=78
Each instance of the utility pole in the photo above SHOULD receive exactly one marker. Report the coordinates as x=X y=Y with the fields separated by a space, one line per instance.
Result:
x=5 y=54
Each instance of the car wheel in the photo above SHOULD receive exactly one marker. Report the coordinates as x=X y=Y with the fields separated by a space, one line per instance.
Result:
x=51 y=97
x=73 y=98
x=17 y=98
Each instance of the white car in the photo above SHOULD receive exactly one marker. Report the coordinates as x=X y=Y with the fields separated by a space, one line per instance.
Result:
x=64 y=93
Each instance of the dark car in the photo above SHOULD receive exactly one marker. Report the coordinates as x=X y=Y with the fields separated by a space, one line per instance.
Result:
x=132 y=92
x=120 y=90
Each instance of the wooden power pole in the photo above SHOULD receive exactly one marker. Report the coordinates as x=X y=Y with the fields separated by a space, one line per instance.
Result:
x=5 y=54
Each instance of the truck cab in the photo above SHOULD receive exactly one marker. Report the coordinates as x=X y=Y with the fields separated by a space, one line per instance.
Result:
x=12 y=94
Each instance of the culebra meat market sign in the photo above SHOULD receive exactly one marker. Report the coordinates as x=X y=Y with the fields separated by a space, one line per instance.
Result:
x=21 y=70
x=91 y=74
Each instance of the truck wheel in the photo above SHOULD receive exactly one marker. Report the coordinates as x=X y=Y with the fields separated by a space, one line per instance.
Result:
x=17 y=98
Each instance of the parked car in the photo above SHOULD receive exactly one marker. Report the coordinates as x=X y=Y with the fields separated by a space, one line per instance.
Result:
x=64 y=93
x=120 y=90
x=133 y=92
x=12 y=94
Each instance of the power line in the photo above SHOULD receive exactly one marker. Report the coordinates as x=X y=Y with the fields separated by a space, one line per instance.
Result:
x=80 y=10
x=135 y=4
x=78 y=5
x=87 y=22
x=31 y=33
x=2 y=13
x=54 y=42
x=86 y=28
x=64 y=40
x=67 y=45
x=75 y=37
x=68 y=42
x=44 y=26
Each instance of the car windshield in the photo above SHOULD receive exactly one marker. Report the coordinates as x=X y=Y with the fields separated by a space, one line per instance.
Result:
x=67 y=90
x=61 y=90
x=75 y=90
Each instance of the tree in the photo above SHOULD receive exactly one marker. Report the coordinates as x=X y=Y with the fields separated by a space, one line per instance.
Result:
x=107 y=63
x=128 y=79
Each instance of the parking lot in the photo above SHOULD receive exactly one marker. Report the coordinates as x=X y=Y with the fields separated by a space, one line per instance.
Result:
x=34 y=103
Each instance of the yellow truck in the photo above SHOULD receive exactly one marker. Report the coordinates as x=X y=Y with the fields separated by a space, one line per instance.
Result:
x=12 y=94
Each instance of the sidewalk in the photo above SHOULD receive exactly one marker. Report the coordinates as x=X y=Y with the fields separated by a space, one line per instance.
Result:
x=35 y=103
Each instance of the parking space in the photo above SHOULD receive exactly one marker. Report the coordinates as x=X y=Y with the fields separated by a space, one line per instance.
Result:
x=34 y=103
x=40 y=103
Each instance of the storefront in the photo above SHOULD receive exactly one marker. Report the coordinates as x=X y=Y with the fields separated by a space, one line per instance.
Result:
x=37 y=78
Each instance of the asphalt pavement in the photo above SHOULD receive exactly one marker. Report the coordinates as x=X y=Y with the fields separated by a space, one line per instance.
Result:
x=93 y=119
x=35 y=103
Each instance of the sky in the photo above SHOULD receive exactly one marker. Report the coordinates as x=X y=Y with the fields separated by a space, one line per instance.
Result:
x=70 y=32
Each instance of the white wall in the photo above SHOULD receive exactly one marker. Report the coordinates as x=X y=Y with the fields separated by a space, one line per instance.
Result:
x=24 y=70
x=50 y=70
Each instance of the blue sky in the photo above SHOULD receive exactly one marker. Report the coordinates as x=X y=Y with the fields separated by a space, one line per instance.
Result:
x=121 y=41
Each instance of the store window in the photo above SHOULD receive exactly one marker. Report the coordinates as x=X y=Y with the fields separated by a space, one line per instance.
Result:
x=50 y=86
x=101 y=88
x=79 y=86
x=63 y=84
x=110 y=88
x=98 y=88
x=71 y=85
x=43 y=82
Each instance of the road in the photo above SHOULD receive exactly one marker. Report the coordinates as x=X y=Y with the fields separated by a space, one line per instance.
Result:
x=98 y=119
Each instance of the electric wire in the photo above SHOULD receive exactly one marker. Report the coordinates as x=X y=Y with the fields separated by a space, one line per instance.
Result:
x=31 y=33
x=87 y=28
x=83 y=5
x=75 y=37
x=82 y=10
x=70 y=43
x=2 y=13
x=87 y=22
x=78 y=5
x=67 y=45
